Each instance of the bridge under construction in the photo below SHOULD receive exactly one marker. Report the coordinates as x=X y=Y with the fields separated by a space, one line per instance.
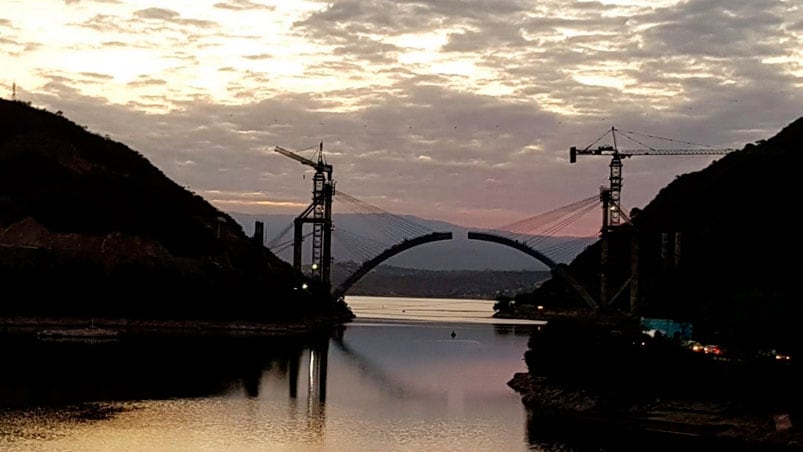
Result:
x=527 y=236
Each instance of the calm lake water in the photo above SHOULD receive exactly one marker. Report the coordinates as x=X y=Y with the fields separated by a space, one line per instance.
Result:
x=394 y=379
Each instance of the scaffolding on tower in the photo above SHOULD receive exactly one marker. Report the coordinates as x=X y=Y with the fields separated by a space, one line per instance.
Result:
x=319 y=214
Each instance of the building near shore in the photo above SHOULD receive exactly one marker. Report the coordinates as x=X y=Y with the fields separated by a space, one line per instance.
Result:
x=667 y=327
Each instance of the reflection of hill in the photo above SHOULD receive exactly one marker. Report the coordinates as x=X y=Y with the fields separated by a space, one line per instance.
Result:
x=47 y=373
x=87 y=219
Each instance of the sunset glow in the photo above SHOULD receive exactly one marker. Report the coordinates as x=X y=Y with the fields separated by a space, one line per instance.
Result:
x=395 y=90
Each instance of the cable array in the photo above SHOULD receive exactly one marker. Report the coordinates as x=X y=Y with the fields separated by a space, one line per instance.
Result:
x=277 y=241
x=391 y=228
x=359 y=246
x=538 y=230
x=279 y=247
x=394 y=227
x=535 y=231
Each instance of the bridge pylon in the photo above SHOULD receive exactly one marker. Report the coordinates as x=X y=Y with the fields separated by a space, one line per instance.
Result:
x=319 y=214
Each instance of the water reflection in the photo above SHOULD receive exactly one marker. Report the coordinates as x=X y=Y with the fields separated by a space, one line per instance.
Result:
x=318 y=359
x=71 y=379
x=369 y=386
x=515 y=330
x=374 y=373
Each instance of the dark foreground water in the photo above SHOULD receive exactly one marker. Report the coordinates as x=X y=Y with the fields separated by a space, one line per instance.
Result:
x=394 y=379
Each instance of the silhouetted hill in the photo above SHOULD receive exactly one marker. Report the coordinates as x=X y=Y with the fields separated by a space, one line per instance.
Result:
x=91 y=227
x=717 y=247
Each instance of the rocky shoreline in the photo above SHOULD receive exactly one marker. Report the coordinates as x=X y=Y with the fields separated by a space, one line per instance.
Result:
x=674 y=421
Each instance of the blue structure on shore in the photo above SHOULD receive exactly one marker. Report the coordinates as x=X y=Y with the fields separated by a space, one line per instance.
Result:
x=667 y=327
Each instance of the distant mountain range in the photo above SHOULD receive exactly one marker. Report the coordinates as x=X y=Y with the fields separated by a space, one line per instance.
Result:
x=456 y=254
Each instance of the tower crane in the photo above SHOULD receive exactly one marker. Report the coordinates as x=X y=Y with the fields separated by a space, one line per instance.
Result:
x=319 y=213
x=611 y=196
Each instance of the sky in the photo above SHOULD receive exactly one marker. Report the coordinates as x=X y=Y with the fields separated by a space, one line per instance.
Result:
x=462 y=111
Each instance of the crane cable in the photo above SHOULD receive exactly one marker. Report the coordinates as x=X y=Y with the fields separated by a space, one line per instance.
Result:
x=362 y=247
x=536 y=221
x=394 y=226
x=561 y=225
x=274 y=242
x=663 y=138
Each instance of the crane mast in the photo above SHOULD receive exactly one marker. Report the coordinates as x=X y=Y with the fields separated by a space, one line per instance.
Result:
x=319 y=214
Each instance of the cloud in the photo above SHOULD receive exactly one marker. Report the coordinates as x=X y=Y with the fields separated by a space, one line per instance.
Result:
x=104 y=23
x=344 y=20
x=738 y=28
x=144 y=80
x=475 y=127
x=200 y=23
x=431 y=152
x=146 y=23
x=114 y=44
x=367 y=49
x=96 y=75
x=351 y=18
x=168 y=15
x=261 y=56
x=157 y=13
x=17 y=48
x=243 y=5
x=75 y=2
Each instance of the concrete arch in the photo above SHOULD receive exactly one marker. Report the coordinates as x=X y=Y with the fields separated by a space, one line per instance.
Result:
x=556 y=269
x=369 y=265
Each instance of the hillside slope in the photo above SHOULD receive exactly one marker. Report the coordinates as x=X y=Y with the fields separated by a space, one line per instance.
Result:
x=716 y=247
x=91 y=227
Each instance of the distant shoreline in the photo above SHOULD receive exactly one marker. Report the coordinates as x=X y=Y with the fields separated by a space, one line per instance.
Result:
x=205 y=328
